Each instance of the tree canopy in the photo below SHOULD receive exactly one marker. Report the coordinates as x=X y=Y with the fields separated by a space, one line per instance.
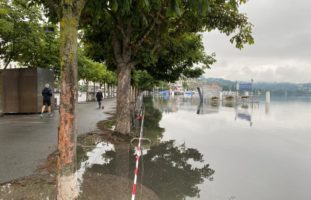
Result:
x=182 y=56
x=158 y=36
x=24 y=37
x=94 y=71
x=152 y=30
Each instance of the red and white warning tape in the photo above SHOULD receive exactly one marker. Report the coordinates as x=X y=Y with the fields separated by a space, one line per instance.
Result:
x=138 y=153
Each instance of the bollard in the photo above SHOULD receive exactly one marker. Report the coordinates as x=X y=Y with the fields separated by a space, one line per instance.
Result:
x=267 y=96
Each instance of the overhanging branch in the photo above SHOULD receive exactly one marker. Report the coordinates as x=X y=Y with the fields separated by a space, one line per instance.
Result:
x=144 y=36
x=79 y=5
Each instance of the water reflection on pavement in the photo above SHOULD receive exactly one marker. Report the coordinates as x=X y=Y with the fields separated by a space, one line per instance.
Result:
x=105 y=169
x=207 y=150
x=167 y=170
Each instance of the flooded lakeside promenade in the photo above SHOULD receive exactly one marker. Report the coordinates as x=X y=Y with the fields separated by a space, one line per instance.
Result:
x=223 y=151
x=27 y=140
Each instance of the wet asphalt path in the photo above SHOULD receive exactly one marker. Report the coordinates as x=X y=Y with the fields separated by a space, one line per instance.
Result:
x=27 y=140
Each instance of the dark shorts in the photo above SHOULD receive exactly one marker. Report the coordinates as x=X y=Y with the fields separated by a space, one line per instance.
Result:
x=47 y=102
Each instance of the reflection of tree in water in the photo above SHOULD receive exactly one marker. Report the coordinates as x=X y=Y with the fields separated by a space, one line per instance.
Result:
x=172 y=171
x=229 y=104
x=167 y=105
x=152 y=130
x=169 y=174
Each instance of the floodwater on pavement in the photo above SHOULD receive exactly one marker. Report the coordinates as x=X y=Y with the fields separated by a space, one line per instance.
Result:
x=212 y=151
x=167 y=170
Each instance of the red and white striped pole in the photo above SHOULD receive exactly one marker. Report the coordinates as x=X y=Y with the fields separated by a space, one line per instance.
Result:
x=138 y=154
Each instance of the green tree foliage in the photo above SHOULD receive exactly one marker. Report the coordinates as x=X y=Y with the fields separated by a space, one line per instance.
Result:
x=24 y=38
x=170 y=173
x=90 y=70
x=163 y=85
x=159 y=36
x=180 y=56
x=148 y=29
x=153 y=116
x=142 y=80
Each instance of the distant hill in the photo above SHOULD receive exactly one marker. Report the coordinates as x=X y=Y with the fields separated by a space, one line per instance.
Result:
x=226 y=84
x=274 y=87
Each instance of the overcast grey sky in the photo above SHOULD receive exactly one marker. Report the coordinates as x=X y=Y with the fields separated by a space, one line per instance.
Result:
x=282 y=49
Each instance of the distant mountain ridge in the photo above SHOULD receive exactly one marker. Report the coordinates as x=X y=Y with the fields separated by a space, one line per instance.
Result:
x=276 y=86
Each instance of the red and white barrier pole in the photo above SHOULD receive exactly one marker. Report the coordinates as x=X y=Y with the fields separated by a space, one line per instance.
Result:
x=138 y=154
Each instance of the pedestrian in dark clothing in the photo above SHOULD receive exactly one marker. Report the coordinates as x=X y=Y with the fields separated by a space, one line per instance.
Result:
x=46 y=94
x=99 y=98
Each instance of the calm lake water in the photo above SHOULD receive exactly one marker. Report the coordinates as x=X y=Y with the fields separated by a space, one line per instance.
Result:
x=210 y=151
x=259 y=152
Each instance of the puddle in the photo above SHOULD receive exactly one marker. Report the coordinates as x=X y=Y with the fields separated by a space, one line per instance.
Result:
x=105 y=169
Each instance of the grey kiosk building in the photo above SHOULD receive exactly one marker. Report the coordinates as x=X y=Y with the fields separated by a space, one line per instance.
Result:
x=20 y=89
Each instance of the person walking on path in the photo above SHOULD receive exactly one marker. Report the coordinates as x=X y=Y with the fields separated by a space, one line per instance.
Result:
x=47 y=94
x=99 y=98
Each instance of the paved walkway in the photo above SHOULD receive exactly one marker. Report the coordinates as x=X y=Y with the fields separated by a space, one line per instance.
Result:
x=27 y=140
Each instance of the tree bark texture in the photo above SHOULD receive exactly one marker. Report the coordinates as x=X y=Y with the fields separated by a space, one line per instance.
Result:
x=123 y=57
x=69 y=19
x=77 y=93
x=94 y=92
x=1 y=94
x=87 y=90
x=111 y=91
x=108 y=91
x=67 y=123
x=123 y=117
x=104 y=90
x=131 y=92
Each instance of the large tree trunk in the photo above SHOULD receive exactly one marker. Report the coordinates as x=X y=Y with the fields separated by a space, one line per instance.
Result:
x=1 y=94
x=87 y=90
x=113 y=91
x=109 y=91
x=77 y=92
x=94 y=92
x=123 y=117
x=66 y=181
x=123 y=57
x=104 y=92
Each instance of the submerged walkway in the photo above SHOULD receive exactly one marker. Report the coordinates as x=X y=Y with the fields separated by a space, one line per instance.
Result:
x=27 y=140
